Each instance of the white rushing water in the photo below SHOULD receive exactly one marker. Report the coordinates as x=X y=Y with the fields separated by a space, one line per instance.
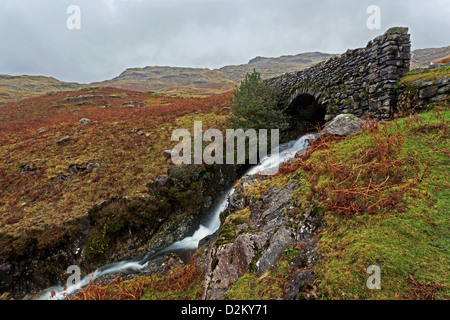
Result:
x=269 y=164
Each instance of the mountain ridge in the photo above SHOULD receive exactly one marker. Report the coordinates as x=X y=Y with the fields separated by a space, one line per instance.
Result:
x=187 y=81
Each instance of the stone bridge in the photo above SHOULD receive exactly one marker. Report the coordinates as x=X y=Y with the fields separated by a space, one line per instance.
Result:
x=360 y=82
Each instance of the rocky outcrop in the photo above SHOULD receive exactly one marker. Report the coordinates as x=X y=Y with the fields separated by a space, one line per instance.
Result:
x=22 y=274
x=254 y=234
x=121 y=228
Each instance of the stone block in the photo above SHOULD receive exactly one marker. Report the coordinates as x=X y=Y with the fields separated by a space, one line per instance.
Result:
x=443 y=81
x=428 y=92
x=426 y=84
x=392 y=48
x=445 y=89
x=438 y=98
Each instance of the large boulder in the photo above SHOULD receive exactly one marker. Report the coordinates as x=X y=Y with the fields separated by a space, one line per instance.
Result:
x=343 y=125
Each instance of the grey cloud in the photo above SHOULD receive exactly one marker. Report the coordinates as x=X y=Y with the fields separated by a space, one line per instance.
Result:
x=118 y=34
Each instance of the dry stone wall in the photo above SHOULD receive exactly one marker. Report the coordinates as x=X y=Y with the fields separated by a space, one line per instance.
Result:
x=419 y=94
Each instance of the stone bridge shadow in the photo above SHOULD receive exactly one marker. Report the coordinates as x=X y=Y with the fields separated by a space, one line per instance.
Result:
x=305 y=112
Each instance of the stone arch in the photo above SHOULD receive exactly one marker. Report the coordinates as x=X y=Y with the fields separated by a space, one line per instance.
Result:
x=306 y=111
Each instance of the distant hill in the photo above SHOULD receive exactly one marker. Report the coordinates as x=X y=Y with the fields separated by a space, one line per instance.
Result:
x=198 y=81
x=422 y=58
x=16 y=88
x=171 y=80
x=270 y=67
x=188 y=81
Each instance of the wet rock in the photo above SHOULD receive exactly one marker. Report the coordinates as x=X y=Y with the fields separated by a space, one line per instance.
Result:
x=343 y=125
x=207 y=202
x=208 y=239
x=226 y=263
x=268 y=238
x=275 y=202
x=279 y=242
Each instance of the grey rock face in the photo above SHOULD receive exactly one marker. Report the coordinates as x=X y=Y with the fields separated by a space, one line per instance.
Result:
x=279 y=242
x=260 y=249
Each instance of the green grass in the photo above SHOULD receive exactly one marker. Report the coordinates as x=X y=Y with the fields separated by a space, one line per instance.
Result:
x=411 y=238
x=430 y=74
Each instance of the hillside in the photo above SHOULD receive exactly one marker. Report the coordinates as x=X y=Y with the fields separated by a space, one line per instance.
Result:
x=422 y=58
x=168 y=80
x=172 y=80
x=16 y=88
x=271 y=67
x=56 y=168
x=204 y=82
x=377 y=198
x=187 y=81
x=404 y=231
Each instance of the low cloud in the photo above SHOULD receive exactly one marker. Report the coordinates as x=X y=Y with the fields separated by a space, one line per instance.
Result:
x=119 y=34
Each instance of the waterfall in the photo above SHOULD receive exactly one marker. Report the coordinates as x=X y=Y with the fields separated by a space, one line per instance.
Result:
x=285 y=152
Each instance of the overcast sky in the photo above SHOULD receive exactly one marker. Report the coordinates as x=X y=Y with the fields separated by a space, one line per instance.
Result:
x=118 y=34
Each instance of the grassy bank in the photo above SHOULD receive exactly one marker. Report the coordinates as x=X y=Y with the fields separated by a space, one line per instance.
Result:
x=384 y=197
x=387 y=198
